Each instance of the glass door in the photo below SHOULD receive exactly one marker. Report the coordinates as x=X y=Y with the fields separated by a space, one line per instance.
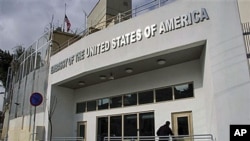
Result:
x=126 y=127
x=146 y=126
x=102 y=128
x=130 y=126
x=182 y=124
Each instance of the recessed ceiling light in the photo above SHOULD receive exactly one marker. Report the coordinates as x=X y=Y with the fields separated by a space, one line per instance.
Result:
x=103 y=77
x=81 y=83
x=161 y=61
x=128 y=70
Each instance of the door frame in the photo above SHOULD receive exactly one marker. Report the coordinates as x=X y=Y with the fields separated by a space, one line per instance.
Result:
x=79 y=123
x=174 y=117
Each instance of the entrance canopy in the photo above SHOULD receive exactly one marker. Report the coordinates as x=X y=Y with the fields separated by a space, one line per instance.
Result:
x=137 y=65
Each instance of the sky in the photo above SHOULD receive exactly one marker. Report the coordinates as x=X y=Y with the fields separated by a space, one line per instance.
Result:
x=24 y=21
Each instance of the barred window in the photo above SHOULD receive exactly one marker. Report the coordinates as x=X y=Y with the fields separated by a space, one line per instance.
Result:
x=183 y=91
x=91 y=105
x=103 y=103
x=168 y=93
x=80 y=107
x=163 y=94
x=146 y=97
x=130 y=99
x=115 y=102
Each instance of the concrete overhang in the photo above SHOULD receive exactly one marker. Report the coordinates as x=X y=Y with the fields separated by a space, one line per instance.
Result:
x=137 y=65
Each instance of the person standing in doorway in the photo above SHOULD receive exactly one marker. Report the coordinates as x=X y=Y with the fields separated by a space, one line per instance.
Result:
x=164 y=130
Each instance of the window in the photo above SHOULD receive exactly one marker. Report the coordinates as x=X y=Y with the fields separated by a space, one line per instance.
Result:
x=91 y=105
x=146 y=97
x=130 y=99
x=169 y=93
x=103 y=103
x=116 y=102
x=80 y=107
x=164 y=94
x=183 y=91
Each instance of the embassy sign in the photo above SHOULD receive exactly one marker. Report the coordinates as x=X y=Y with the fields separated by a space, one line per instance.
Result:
x=191 y=18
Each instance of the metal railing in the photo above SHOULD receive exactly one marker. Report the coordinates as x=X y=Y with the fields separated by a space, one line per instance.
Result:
x=246 y=34
x=198 y=137
x=67 y=139
x=149 y=6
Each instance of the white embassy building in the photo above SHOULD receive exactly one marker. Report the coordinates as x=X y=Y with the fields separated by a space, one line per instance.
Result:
x=184 y=62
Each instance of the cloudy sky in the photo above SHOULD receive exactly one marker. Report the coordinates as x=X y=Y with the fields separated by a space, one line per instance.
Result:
x=24 y=21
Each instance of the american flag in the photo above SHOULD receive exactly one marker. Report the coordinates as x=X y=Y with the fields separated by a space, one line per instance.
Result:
x=67 y=22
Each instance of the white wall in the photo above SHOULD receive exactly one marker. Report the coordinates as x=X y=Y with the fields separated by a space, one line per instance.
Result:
x=21 y=128
x=62 y=118
x=229 y=69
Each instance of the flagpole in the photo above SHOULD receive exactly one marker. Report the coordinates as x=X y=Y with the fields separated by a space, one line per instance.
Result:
x=51 y=23
x=64 y=17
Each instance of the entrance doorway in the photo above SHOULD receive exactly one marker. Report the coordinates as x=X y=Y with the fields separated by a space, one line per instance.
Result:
x=182 y=124
x=81 y=130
